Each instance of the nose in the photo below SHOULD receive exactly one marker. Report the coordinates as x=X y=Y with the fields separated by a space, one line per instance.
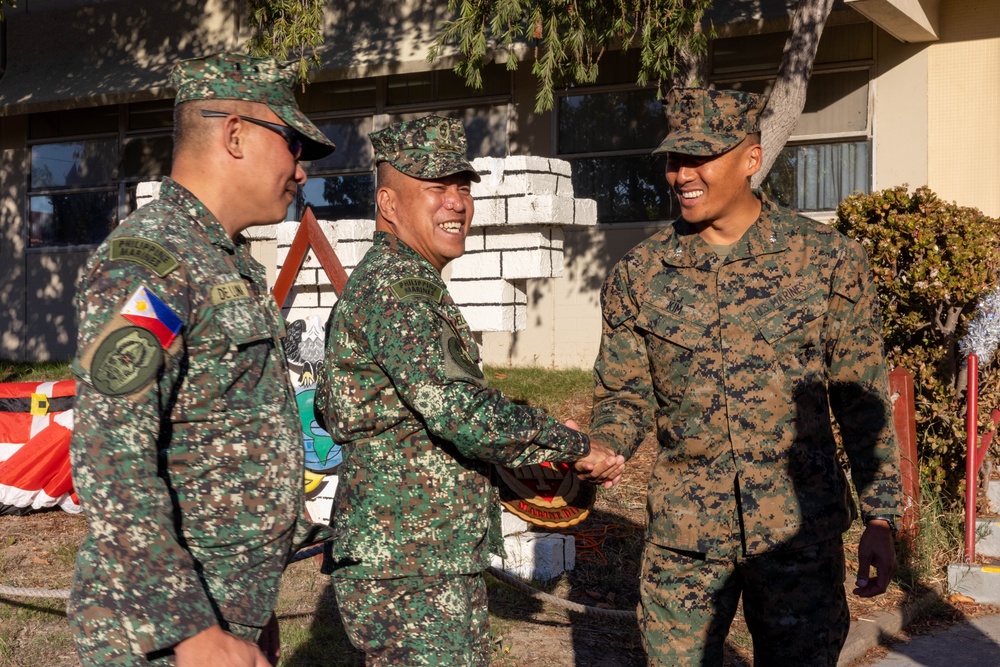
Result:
x=454 y=199
x=300 y=173
x=684 y=171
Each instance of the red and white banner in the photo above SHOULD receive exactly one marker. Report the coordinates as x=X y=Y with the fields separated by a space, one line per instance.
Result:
x=36 y=424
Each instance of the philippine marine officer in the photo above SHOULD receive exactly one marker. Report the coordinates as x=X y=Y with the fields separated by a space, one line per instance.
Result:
x=416 y=514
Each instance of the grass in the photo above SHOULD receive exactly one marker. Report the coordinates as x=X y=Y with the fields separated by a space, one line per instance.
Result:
x=541 y=388
x=25 y=371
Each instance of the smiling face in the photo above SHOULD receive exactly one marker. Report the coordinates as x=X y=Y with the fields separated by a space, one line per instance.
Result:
x=430 y=216
x=715 y=190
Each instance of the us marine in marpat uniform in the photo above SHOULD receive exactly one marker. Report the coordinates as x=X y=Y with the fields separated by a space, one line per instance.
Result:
x=734 y=331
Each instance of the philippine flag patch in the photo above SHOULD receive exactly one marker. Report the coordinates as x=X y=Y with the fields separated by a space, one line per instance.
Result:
x=147 y=311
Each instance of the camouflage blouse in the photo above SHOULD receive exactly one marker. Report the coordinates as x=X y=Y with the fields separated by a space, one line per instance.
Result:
x=738 y=363
x=403 y=393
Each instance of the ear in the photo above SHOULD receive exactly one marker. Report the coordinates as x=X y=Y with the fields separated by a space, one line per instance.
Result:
x=233 y=136
x=754 y=157
x=386 y=201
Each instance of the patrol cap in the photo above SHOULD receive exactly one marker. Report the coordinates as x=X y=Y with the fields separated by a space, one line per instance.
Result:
x=237 y=76
x=426 y=148
x=709 y=122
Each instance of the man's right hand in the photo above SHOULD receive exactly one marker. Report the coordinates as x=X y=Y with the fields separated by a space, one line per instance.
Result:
x=600 y=466
x=216 y=648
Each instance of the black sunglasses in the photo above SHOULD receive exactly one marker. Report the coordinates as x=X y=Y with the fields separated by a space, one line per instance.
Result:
x=289 y=134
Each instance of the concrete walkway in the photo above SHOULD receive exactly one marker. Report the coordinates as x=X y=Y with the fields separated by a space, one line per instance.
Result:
x=972 y=643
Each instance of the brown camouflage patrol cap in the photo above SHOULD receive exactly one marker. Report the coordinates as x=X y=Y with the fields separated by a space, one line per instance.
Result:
x=237 y=76
x=709 y=122
x=425 y=148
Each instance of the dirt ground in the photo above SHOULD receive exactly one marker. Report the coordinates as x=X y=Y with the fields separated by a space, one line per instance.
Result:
x=38 y=551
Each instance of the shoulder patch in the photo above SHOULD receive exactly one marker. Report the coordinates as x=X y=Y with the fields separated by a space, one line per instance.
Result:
x=150 y=254
x=457 y=360
x=417 y=287
x=126 y=361
x=232 y=291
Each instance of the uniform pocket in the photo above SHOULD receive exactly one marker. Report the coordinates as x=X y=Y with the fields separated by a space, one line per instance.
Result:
x=792 y=317
x=671 y=342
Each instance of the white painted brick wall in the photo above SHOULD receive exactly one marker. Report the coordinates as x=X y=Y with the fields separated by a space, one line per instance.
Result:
x=522 y=204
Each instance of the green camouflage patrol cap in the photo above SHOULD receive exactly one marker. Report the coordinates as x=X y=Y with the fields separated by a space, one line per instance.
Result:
x=425 y=148
x=709 y=122
x=237 y=76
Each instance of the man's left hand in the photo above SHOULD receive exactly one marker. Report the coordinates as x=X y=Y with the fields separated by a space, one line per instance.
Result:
x=876 y=549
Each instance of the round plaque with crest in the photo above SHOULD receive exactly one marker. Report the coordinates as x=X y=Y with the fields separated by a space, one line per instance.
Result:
x=546 y=494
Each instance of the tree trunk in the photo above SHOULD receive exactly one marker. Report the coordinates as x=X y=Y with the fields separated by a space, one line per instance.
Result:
x=788 y=97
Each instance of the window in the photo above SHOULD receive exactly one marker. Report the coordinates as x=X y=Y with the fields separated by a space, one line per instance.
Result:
x=341 y=186
x=607 y=133
x=85 y=165
x=828 y=155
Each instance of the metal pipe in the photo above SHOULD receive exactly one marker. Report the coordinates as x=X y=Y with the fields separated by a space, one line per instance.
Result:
x=972 y=437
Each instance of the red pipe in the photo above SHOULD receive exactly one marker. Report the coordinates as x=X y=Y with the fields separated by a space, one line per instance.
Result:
x=972 y=433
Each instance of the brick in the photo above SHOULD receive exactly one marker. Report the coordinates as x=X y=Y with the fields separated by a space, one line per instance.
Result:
x=490 y=318
x=307 y=278
x=516 y=238
x=311 y=261
x=585 y=212
x=483 y=292
x=475 y=240
x=476 y=265
x=564 y=186
x=539 y=209
x=560 y=167
x=490 y=213
x=261 y=232
x=327 y=299
x=354 y=230
x=526 y=163
x=286 y=232
x=512 y=524
x=540 y=556
x=304 y=297
x=350 y=253
x=535 y=263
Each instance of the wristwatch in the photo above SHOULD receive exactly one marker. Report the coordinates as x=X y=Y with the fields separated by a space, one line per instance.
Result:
x=892 y=520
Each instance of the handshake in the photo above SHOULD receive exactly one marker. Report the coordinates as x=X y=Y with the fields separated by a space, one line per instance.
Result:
x=600 y=466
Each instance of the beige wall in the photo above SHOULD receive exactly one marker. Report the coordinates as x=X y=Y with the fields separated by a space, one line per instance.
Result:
x=564 y=314
x=964 y=107
x=900 y=113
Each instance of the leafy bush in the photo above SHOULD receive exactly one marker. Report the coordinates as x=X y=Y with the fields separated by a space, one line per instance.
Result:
x=932 y=262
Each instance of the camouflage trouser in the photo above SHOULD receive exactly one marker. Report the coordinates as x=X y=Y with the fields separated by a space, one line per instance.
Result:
x=102 y=641
x=794 y=603
x=417 y=621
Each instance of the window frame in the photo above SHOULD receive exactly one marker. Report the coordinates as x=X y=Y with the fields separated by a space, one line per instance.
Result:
x=119 y=185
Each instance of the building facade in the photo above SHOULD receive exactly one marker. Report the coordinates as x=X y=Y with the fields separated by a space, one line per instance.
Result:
x=903 y=91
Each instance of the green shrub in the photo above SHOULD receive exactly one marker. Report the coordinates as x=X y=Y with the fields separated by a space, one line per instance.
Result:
x=932 y=262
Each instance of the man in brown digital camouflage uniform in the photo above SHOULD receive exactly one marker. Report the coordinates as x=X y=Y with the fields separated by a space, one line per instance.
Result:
x=186 y=452
x=416 y=514
x=736 y=330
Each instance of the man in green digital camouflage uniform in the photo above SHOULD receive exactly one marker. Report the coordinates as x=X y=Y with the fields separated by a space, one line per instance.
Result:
x=186 y=451
x=402 y=391
x=736 y=330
